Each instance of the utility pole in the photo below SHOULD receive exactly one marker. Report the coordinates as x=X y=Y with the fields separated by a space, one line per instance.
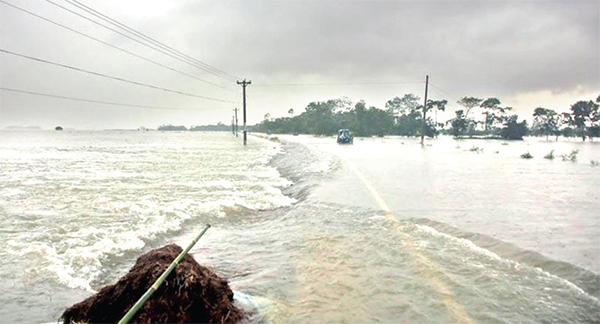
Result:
x=236 y=122
x=244 y=84
x=424 y=111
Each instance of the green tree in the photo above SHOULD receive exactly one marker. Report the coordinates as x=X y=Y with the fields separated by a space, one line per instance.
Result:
x=437 y=105
x=360 y=120
x=490 y=106
x=319 y=117
x=584 y=113
x=431 y=127
x=469 y=103
x=494 y=115
x=546 y=121
x=406 y=115
x=382 y=121
x=594 y=129
x=565 y=120
x=403 y=106
x=369 y=122
x=513 y=130
x=460 y=124
x=172 y=128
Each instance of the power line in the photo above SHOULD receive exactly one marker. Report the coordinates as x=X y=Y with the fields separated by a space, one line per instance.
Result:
x=334 y=84
x=442 y=90
x=98 y=101
x=112 y=77
x=145 y=37
x=199 y=65
x=113 y=46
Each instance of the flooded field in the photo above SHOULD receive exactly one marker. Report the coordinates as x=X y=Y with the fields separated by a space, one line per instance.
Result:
x=380 y=231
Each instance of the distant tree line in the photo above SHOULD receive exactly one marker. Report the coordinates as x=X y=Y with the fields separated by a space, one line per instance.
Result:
x=403 y=116
x=172 y=128
x=220 y=127
x=583 y=121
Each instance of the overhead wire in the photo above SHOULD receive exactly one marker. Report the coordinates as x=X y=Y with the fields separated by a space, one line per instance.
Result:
x=445 y=92
x=111 y=77
x=145 y=37
x=115 y=47
x=99 y=101
x=334 y=84
x=154 y=47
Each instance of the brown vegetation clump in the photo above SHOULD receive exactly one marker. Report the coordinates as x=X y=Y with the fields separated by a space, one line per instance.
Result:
x=191 y=294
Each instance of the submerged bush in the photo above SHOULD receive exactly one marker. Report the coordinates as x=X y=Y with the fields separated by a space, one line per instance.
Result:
x=595 y=163
x=476 y=149
x=526 y=155
x=571 y=156
x=549 y=156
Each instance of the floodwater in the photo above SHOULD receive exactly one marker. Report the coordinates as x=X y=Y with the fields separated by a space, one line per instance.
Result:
x=382 y=231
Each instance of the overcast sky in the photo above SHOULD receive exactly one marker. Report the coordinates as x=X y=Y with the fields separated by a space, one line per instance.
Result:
x=526 y=53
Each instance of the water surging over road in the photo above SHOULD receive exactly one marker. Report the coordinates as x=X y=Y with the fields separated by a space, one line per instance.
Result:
x=303 y=258
x=76 y=207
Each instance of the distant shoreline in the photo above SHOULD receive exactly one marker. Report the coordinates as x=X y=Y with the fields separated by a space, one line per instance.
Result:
x=22 y=128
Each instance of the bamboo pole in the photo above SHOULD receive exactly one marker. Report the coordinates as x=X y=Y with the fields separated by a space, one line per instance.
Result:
x=133 y=310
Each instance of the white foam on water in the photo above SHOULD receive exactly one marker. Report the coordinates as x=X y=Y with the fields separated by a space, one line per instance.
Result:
x=464 y=242
x=32 y=182
x=379 y=218
x=514 y=264
x=14 y=192
x=323 y=163
x=47 y=262
x=75 y=258
x=96 y=210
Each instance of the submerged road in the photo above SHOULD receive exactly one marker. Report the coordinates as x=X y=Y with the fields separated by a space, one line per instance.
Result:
x=549 y=207
x=474 y=204
x=387 y=231
x=428 y=268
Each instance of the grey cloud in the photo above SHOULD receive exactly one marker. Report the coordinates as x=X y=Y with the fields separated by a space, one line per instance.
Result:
x=514 y=46
x=480 y=48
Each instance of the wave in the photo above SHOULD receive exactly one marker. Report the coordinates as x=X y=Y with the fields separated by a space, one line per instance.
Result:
x=578 y=278
x=85 y=219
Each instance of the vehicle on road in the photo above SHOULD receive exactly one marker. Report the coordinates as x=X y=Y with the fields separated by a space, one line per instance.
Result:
x=345 y=136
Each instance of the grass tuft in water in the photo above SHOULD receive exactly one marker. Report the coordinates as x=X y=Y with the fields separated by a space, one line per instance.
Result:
x=476 y=149
x=549 y=156
x=571 y=156
x=526 y=155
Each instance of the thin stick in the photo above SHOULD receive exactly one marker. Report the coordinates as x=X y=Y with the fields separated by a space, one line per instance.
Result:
x=133 y=310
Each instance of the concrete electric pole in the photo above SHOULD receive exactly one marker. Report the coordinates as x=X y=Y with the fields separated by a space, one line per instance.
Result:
x=424 y=111
x=244 y=84
x=236 y=123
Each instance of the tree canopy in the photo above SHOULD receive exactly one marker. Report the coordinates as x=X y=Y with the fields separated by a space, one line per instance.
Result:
x=403 y=115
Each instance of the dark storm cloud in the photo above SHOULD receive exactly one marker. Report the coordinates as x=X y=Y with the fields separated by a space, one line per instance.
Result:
x=507 y=46
x=469 y=48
